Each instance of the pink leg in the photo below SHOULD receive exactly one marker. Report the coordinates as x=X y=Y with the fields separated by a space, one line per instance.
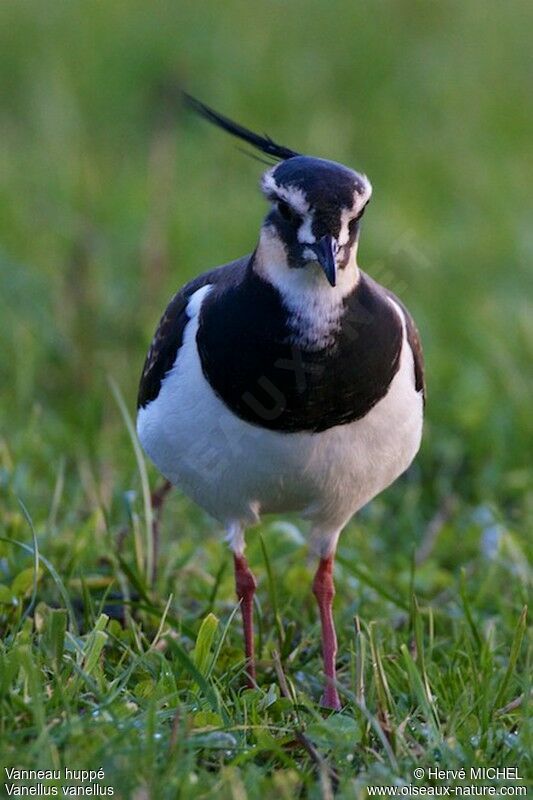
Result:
x=324 y=591
x=245 y=584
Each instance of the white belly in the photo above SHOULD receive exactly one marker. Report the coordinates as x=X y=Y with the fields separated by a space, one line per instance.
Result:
x=236 y=471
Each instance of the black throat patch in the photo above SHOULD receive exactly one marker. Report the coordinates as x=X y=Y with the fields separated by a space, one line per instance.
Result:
x=244 y=341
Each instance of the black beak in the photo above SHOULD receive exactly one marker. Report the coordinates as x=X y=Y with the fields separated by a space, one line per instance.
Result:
x=326 y=249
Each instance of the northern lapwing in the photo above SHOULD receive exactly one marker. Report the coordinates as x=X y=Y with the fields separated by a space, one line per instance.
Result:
x=287 y=380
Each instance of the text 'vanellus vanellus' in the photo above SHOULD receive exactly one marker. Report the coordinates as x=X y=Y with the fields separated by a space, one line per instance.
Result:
x=288 y=380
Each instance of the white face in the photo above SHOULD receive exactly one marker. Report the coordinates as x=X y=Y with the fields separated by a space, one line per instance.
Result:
x=315 y=307
x=292 y=256
x=302 y=228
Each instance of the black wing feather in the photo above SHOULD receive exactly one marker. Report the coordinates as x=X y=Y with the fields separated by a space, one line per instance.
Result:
x=413 y=338
x=168 y=337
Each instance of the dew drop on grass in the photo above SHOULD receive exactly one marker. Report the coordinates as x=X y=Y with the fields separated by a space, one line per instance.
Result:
x=217 y=740
x=511 y=739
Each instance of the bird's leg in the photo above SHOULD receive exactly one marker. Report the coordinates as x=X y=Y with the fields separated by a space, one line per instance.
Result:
x=245 y=585
x=324 y=591
x=157 y=500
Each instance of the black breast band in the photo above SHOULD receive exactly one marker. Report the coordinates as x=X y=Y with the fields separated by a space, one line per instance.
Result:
x=244 y=342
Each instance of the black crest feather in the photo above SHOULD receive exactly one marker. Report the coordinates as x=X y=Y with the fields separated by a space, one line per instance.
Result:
x=263 y=143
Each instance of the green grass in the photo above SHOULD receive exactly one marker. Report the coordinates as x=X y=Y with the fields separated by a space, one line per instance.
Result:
x=110 y=199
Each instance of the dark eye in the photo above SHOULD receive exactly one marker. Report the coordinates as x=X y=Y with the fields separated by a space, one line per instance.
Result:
x=363 y=209
x=286 y=211
x=354 y=223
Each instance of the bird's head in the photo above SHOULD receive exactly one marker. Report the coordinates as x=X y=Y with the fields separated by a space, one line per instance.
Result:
x=314 y=219
x=311 y=230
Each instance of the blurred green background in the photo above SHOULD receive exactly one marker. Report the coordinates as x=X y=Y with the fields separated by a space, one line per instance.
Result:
x=111 y=197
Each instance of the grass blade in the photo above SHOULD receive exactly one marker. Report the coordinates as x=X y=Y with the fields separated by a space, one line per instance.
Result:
x=31 y=604
x=468 y=614
x=145 y=485
x=204 y=642
x=364 y=577
x=57 y=580
x=419 y=690
x=513 y=657
x=273 y=594
x=190 y=667
x=360 y=658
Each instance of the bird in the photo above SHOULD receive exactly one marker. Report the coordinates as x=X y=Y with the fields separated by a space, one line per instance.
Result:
x=287 y=380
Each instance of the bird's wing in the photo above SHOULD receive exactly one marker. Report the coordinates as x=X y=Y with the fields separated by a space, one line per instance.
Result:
x=413 y=338
x=169 y=334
